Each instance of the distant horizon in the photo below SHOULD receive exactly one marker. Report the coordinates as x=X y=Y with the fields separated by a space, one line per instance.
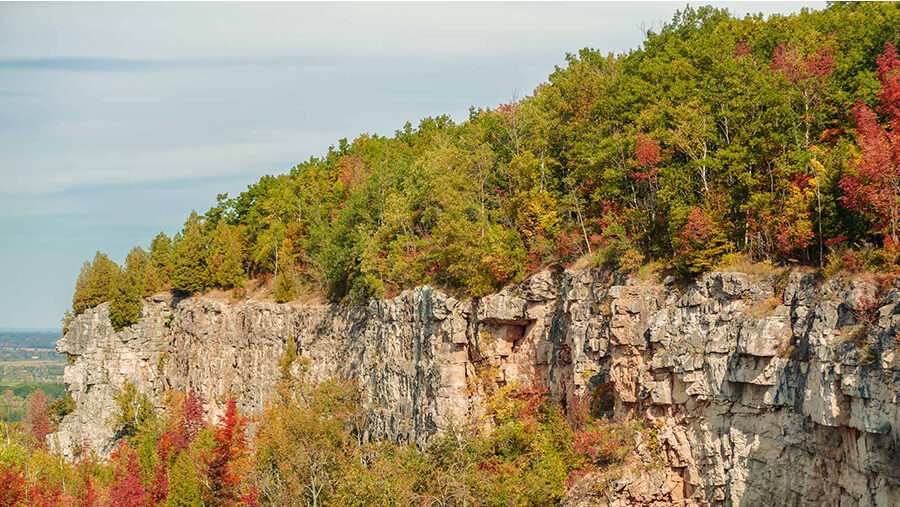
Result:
x=31 y=329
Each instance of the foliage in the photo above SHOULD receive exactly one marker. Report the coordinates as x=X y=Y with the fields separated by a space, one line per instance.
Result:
x=875 y=187
x=128 y=489
x=95 y=284
x=125 y=308
x=716 y=136
x=225 y=257
x=230 y=454
x=189 y=269
x=133 y=411
x=38 y=420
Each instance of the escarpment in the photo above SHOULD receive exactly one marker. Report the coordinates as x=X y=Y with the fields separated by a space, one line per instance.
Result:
x=782 y=390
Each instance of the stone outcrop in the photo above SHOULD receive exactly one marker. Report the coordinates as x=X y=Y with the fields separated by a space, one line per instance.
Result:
x=783 y=390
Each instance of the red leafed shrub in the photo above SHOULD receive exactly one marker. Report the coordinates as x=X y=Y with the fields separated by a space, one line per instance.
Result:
x=601 y=445
x=37 y=416
x=12 y=485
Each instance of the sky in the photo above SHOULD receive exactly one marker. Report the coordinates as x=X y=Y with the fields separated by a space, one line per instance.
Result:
x=117 y=120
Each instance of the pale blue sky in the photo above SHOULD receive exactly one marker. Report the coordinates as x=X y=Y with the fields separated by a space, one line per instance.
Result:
x=116 y=120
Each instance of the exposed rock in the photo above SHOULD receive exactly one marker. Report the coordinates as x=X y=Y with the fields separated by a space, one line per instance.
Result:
x=781 y=408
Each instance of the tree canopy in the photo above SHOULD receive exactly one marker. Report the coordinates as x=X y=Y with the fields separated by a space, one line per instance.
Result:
x=771 y=138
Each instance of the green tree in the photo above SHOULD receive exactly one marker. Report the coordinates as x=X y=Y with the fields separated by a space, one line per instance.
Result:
x=225 y=258
x=95 y=284
x=189 y=270
x=127 y=301
x=161 y=263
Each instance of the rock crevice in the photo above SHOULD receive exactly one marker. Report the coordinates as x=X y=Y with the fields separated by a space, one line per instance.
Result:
x=771 y=391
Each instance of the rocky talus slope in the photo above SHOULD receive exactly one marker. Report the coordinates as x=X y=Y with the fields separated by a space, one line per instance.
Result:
x=781 y=391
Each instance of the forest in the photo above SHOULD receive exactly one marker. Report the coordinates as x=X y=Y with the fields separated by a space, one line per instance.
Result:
x=718 y=141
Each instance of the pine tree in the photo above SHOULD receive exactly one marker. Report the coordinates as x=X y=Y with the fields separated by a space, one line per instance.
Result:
x=225 y=257
x=189 y=270
x=184 y=483
x=161 y=263
x=126 y=305
x=95 y=284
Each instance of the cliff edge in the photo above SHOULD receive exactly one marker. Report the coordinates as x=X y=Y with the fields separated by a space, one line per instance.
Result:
x=779 y=389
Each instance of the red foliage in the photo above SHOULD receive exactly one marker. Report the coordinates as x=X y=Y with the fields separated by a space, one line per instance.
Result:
x=351 y=171
x=89 y=494
x=697 y=228
x=231 y=447
x=875 y=187
x=741 y=49
x=37 y=416
x=127 y=490
x=174 y=441
x=12 y=485
x=192 y=415
x=834 y=240
x=47 y=495
x=800 y=69
x=598 y=445
x=889 y=74
x=647 y=151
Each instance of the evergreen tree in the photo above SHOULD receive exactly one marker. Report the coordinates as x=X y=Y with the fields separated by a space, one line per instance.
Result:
x=185 y=488
x=189 y=271
x=95 y=284
x=225 y=257
x=126 y=305
x=161 y=262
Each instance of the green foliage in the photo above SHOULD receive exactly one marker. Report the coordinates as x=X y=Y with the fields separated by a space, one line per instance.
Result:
x=62 y=407
x=125 y=308
x=224 y=259
x=96 y=283
x=717 y=135
x=134 y=411
x=189 y=270
x=161 y=263
x=285 y=285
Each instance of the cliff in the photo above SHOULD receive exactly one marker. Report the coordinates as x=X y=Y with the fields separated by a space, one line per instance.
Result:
x=780 y=390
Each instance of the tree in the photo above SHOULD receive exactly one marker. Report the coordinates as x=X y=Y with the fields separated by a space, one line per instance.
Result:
x=133 y=410
x=95 y=284
x=128 y=489
x=229 y=459
x=161 y=262
x=225 y=257
x=126 y=305
x=12 y=485
x=875 y=187
x=38 y=421
x=189 y=272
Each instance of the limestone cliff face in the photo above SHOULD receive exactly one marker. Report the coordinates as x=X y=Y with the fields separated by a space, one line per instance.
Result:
x=779 y=391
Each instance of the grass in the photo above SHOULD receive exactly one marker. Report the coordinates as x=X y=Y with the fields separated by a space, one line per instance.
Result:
x=764 y=308
x=756 y=271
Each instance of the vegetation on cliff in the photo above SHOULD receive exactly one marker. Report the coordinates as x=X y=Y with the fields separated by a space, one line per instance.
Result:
x=775 y=139
x=311 y=448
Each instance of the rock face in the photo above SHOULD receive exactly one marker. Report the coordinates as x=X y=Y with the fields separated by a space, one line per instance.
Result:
x=783 y=391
